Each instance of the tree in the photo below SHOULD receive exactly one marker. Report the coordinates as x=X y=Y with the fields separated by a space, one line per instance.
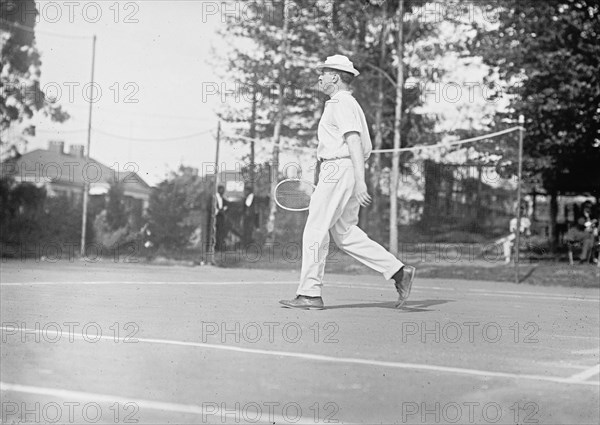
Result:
x=20 y=68
x=281 y=83
x=116 y=213
x=285 y=112
x=413 y=45
x=174 y=203
x=397 y=130
x=20 y=213
x=32 y=222
x=549 y=56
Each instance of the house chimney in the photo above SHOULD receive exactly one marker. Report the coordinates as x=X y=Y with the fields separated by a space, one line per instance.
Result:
x=190 y=171
x=56 y=146
x=77 y=151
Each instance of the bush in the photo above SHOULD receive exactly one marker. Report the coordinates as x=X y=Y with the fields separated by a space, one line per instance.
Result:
x=31 y=221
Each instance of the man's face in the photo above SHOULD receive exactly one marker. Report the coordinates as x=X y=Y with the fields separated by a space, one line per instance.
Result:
x=328 y=80
x=221 y=190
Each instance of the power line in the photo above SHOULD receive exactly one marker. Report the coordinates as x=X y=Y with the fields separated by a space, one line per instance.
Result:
x=132 y=139
x=237 y=136
x=118 y=136
x=60 y=131
x=52 y=33
x=144 y=114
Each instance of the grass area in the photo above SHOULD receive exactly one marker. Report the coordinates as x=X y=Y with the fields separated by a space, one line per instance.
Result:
x=586 y=276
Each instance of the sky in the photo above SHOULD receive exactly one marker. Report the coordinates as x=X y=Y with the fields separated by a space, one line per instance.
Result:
x=154 y=73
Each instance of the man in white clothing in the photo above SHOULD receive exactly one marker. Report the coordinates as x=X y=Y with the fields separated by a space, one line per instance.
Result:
x=344 y=146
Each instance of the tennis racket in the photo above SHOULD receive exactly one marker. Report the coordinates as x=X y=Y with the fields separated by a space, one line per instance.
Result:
x=294 y=194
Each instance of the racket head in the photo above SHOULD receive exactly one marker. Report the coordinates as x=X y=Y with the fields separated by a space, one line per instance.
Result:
x=294 y=194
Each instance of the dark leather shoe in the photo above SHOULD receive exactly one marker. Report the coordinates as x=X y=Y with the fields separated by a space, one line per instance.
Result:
x=403 y=283
x=304 y=303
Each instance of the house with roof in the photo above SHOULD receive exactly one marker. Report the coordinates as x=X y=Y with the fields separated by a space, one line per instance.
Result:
x=66 y=173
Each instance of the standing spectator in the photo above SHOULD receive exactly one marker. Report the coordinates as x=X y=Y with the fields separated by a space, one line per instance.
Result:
x=590 y=229
x=248 y=216
x=587 y=214
x=221 y=219
x=524 y=229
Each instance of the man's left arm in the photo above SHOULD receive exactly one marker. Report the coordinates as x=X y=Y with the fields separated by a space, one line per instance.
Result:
x=356 y=154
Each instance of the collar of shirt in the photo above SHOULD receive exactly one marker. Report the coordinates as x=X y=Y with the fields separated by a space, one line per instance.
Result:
x=339 y=93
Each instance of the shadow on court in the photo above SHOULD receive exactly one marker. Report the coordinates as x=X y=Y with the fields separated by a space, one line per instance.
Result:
x=410 y=306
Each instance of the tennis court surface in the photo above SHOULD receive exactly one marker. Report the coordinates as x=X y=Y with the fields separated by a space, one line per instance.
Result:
x=131 y=343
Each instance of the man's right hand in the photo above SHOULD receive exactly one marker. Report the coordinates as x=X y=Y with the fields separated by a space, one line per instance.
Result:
x=360 y=191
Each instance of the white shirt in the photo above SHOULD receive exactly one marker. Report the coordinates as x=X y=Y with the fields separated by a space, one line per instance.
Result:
x=342 y=114
x=525 y=224
x=249 y=199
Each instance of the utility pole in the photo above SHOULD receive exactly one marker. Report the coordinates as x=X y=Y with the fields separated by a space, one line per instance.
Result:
x=86 y=183
x=519 y=177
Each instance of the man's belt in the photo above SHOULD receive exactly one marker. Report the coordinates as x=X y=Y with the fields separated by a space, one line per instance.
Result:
x=321 y=160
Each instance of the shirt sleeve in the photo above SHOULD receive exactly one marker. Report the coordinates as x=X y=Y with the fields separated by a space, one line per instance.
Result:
x=346 y=116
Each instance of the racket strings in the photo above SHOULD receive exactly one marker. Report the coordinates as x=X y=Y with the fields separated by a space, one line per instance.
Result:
x=294 y=194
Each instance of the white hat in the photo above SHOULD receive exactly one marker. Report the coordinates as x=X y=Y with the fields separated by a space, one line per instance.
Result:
x=339 y=62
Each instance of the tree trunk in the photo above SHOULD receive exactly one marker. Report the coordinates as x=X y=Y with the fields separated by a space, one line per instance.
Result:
x=333 y=24
x=253 y=133
x=277 y=130
x=362 y=31
x=553 y=214
x=397 y=133
x=375 y=170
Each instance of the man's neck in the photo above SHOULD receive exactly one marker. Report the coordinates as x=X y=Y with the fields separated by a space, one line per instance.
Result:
x=340 y=90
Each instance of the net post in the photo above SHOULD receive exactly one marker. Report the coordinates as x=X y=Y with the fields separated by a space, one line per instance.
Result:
x=213 y=214
x=519 y=177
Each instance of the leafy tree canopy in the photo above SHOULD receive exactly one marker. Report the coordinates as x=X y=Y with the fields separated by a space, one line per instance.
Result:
x=549 y=54
x=20 y=68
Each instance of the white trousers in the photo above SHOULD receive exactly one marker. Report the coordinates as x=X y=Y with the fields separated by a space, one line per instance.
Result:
x=334 y=208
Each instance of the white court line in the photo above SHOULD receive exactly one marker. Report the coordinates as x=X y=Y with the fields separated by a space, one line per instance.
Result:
x=539 y=296
x=589 y=351
x=586 y=374
x=461 y=290
x=331 y=359
x=113 y=282
x=205 y=410
x=575 y=336
x=517 y=292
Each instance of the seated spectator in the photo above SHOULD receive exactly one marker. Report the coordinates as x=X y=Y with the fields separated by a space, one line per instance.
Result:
x=582 y=235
